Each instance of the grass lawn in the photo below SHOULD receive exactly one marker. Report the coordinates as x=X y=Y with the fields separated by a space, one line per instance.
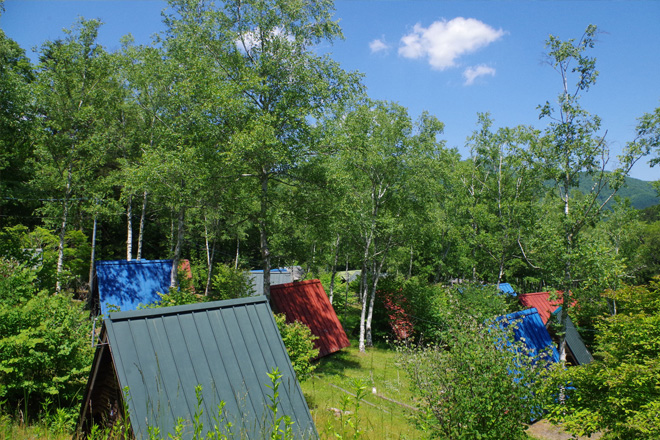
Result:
x=386 y=410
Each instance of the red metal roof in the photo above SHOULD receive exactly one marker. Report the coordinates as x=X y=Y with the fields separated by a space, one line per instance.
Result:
x=307 y=302
x=541 y=301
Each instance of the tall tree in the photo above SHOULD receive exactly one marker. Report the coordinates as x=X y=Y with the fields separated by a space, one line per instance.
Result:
x=648 y=136
x=502 y=193
x=74 y=91
x=382 y=154
x=16 y=122
x=264 y=48
x=574 y=146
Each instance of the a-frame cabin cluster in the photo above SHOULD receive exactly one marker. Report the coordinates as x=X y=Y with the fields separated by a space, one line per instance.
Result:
x=155 y=366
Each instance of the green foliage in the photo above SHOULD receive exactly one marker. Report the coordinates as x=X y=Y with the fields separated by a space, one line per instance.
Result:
x=649 y=257
x=478 y=302
x=650 y=214
x=38 y=248
x=230 y=283
x=648 y=136
x=45 y=351
x=281 y=424
x=617 y=393
x=16 y=123
x=351 y=426
x=478 y=384
x=174 y=297
x=419 y=303
x=18 y=283
x=299 y=343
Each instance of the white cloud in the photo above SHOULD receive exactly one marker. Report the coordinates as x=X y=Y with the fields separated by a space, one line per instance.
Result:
x=472 y=73
x=247 y=41
x=378 y=45
x=443 y=42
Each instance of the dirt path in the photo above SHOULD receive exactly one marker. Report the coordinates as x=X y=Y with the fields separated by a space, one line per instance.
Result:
x=543 y=430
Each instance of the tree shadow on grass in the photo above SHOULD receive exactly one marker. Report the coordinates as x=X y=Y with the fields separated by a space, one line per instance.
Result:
x=336 y=364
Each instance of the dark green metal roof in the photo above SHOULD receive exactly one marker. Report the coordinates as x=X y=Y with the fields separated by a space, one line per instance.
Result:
x=226 y=347
x=574 y=341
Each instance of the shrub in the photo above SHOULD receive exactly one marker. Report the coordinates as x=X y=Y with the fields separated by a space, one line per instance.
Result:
x=472 y=386
x=230 y=283
x=406 y=308
x=618 y=392
x=299 y=342
x=174 y=297
x=45 y=350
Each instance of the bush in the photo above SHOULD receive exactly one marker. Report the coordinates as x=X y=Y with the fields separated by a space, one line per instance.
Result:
x=618 y=392
x=45 y=349
x=475 y=385
x=174 y=297
x=230 y=283
x=299 y=342
x=411 y=307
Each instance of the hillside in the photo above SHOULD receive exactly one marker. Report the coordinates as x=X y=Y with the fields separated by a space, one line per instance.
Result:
x=640 y=193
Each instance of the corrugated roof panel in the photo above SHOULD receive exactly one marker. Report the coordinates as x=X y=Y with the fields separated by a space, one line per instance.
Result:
x=277 y=276
x=227 y=347
x=541 y=302
x=127 y=284
x=307 y=302
x=530 y=329
x=507 y=288
x=580 y=352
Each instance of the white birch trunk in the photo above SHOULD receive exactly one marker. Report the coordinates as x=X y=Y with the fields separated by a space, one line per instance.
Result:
x=238 y=248
x=210 y=251
x=129 y=229
x=263 y=235
x=363 y=313
x=143 y=217
x=334 y=270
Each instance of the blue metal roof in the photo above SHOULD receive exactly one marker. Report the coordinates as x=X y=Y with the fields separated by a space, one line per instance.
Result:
x=126 y=284
x=276 y=270
x=507 y=288
x=530 y=330
x=226 y=347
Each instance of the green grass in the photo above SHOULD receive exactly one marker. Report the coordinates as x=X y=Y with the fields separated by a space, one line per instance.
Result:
x=386 y=413
x=11 y=430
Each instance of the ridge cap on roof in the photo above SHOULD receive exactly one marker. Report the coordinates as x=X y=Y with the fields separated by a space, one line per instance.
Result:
x=121 y=262
x=295 y=283
x=171 y=310
x=525 y=312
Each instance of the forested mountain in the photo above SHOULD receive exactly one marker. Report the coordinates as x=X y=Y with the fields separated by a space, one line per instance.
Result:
x=640 y=193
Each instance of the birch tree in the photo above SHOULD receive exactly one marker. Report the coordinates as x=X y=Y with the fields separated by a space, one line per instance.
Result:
x=382 y=152
x=265 y=49
x=16 y=122
x=74 y=91
x=573 y=146
x=502 y=190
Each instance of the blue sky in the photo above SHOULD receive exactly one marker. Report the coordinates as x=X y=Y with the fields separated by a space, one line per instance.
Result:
x=451 y=58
